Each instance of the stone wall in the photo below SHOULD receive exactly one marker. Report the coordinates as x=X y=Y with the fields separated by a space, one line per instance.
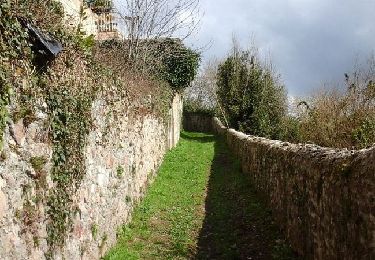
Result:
x=323 y=198
x=197 y=122
x=123 y=153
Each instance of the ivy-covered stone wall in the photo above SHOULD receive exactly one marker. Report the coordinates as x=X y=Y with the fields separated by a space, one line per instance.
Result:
x=322 y=198
x=122 y=153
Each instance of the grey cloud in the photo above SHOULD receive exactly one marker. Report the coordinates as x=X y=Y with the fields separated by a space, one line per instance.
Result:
x=311 y=41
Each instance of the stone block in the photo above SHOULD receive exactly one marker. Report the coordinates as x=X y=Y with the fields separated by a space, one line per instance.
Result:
x=18 y=132
x=3 y=205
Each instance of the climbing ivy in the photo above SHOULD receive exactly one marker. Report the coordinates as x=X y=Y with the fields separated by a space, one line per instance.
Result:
x=13 y=47
x=5 y=92
x=58 y=86
x=70 y=123
x=67 y=87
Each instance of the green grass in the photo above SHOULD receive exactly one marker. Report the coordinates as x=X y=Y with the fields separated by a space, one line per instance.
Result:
x=200 y=206
x=165 y=225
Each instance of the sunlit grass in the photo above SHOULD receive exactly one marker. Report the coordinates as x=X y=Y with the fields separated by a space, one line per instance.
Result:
x=201 y=206
x=167 y=222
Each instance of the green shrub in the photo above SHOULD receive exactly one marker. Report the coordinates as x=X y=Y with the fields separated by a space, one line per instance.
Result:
x=250 y=95
x=179 y=63
x=365 y=133
x=120 y=171
x=194 y=106
x=291 y=129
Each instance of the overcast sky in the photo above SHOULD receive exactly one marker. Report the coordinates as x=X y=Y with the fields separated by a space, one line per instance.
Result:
x=310 y=41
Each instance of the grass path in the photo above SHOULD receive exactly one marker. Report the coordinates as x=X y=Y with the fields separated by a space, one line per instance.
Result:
x=200 y=207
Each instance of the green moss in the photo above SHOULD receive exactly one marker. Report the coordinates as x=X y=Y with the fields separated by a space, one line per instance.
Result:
x=94 y=231
x=3 y=156
x=120 y=171
x=36 y=241
x=38 y=163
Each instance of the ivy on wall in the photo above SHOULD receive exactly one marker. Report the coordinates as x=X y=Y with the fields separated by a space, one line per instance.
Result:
x=13 y=47
x=68 y=86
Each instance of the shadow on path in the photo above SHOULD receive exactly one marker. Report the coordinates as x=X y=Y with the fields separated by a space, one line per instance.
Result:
x=201 y=139
x=236 y=224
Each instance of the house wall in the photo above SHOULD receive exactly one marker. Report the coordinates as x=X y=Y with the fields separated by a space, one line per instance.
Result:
x=72 y=9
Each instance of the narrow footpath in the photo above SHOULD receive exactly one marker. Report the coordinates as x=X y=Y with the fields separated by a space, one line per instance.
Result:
x=201 y=206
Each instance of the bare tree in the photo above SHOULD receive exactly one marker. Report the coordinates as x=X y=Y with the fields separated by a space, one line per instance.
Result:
x=202 y=92
x=153 y=19
x=203 y=89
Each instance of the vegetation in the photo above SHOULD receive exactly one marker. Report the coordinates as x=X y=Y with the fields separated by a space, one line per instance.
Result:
x=65 y=88
x=201 y=206
x=13 y=47
x=247 y=95
x=167 y=60
x=120 y=171
x=201 y=96
x=38 y=163
x=179 y=64
x=252 y=99
x=342 y=118
x=99 y=3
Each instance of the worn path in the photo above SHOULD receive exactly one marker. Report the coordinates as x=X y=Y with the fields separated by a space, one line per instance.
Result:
x=201 y=206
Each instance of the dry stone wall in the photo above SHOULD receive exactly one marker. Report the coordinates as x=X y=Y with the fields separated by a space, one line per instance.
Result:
x=123 y=153
x=197 y=122
x=323 y=198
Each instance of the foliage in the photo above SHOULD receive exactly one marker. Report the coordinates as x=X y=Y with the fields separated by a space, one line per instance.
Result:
x=168 y=60
x=16 y=50
x=38 y=163
x=5 y=92
x=65 y=89
x=69 y=98
x=364 y=135
x=94 y=230
x=68 y=112
x=179 y=64
x=193 y=106
x=120 y=171
x=250 y=95
x=344 y=119
x=291 y=129
x=99 y=3
x=13 y=46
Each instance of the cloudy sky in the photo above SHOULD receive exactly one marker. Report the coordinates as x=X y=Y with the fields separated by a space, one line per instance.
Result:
x=310 y=41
